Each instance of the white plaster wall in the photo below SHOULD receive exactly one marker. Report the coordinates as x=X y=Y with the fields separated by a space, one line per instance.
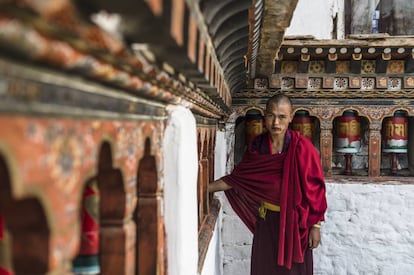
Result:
x=180 y=189
x=220 y=154
x=369 y=230
x=315 y=17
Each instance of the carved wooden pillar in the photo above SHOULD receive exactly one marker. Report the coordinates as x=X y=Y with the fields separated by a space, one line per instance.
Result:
x=203 y=172
x=200 y=197
x=204 y=192
x=326 y=147
x=374 y=149
x=150 y=258
x=117 y=229
x=211 y=153
x=205 y=177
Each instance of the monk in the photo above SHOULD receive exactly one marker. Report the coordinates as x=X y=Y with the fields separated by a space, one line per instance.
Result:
x=278 y=191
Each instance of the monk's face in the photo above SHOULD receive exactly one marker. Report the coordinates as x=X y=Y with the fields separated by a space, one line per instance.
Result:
x=277 y=119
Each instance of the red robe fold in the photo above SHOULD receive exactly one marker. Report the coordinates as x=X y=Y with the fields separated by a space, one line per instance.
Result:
x=302 y=193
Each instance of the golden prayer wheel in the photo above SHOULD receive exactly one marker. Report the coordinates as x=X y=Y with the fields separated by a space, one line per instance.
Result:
x=304 y=123
x=253 y=125
x=348 y=136
x=410 y=145
x=395 y=133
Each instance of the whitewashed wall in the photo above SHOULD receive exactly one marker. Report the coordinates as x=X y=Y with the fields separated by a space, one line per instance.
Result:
x=315 y=17
x=369 y=229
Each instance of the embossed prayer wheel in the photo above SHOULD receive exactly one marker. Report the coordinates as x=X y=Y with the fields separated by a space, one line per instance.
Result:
x=410 y=145
x=87 y=261
x=348 y=136
x=304 y=123
x=395 y=133
x=5 y=258
x=253 y=125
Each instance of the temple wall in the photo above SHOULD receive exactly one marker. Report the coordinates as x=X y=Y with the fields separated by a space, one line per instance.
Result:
x=397 y=16
x=326 y=19
x=317 y=18
x=237 y=242
x=367 y=231
x=362 y=12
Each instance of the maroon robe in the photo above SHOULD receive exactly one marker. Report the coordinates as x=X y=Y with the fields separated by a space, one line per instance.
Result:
x=302 y=192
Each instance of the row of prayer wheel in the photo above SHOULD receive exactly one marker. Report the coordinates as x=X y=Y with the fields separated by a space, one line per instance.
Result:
x=347 y=130
x=394 y=133
x=301 y=122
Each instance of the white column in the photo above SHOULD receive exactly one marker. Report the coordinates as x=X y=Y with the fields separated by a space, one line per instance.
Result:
x=180 y=178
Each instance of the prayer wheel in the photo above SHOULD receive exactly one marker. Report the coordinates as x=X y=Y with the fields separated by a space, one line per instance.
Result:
x=87 y=261
x=253 y=125
x=410 y=145
x=395 y=133
x=348 y=136
x=304 y=123
x=5 y=259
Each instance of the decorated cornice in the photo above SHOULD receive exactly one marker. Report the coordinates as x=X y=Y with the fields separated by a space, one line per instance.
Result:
x=370 y=46
x=366 y=67
x=87 y=51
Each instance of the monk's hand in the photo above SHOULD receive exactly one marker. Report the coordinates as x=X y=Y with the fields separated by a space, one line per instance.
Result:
x=314 y=237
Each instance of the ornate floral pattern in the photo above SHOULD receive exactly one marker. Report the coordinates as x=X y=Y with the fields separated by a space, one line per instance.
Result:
x=395 y=67
x=342 y=67
x=288 y=83
x=315 y=83
x=261 y=83
x=394 y=83
x=289 y=67
x=316 y=67
x=341 y=83
x=368 y=67
x=368 y=83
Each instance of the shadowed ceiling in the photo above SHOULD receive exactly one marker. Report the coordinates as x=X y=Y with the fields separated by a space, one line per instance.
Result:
x=245 y=34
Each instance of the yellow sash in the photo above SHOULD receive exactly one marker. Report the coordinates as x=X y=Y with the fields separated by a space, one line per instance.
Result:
x=264 y=206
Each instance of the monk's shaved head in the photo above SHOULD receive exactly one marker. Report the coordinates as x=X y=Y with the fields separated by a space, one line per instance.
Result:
x=279 y=99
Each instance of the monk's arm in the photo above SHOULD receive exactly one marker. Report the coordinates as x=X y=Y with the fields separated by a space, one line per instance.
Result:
x=218 y=185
